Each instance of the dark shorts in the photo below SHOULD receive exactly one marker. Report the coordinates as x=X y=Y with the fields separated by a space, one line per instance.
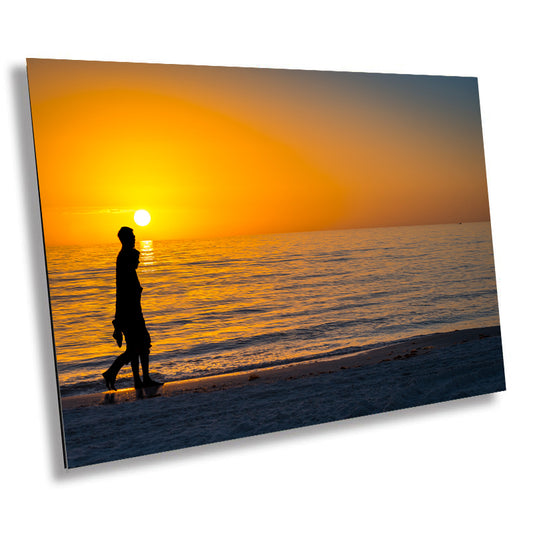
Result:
x=137 y=337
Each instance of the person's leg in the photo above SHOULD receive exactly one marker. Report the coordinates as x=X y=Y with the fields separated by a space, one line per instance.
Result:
x=147 y=380
x=144 y=355
x=134 y=343
x=110 y=375
x=135 y=369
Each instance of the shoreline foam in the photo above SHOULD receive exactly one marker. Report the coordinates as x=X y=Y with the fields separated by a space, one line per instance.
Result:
x=417 y=346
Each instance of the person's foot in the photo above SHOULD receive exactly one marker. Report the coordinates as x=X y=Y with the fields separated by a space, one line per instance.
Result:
x=109 y=380
x=138 y=384
x=149 y=382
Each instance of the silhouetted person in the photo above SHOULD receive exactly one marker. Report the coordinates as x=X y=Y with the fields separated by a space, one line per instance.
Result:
x=129 y=320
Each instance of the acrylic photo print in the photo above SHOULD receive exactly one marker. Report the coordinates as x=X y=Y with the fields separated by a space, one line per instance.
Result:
x=237 y=251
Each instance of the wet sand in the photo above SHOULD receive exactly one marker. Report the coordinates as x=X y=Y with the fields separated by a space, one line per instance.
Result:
x=424 y=345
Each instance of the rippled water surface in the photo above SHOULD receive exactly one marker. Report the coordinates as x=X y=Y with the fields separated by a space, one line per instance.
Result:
x=239 y=303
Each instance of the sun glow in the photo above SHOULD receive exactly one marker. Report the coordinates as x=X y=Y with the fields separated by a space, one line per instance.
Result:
x=142 y=217
x=217 y=151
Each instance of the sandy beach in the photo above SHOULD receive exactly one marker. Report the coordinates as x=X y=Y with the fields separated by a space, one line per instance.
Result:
x=432 y=368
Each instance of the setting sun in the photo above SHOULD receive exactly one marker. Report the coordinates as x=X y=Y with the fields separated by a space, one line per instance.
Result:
x=142 y=217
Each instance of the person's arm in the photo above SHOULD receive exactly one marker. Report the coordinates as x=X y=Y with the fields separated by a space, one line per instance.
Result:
x=117 y=333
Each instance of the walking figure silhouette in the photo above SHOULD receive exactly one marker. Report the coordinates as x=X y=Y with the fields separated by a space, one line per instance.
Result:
x=129 y=320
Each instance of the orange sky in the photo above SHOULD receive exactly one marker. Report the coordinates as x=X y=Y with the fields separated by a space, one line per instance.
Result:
x=213 y=151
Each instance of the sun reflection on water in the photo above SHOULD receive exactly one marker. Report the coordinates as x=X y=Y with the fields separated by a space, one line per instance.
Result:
x=147 y=259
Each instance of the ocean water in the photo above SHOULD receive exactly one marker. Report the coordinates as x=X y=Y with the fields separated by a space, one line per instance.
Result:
x=216 y=306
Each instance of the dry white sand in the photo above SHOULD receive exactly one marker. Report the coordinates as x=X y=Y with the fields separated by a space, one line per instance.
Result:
x=443 y=366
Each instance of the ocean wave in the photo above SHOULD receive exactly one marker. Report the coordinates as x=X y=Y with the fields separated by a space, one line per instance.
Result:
x=246 y=302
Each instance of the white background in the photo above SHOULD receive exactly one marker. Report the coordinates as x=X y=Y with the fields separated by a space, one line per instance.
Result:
x=461 y=466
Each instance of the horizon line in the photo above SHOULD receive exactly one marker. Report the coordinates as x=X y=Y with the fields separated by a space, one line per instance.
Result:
x=237 y=235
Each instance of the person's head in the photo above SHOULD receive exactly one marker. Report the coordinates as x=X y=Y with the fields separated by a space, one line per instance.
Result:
x=126 y=237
